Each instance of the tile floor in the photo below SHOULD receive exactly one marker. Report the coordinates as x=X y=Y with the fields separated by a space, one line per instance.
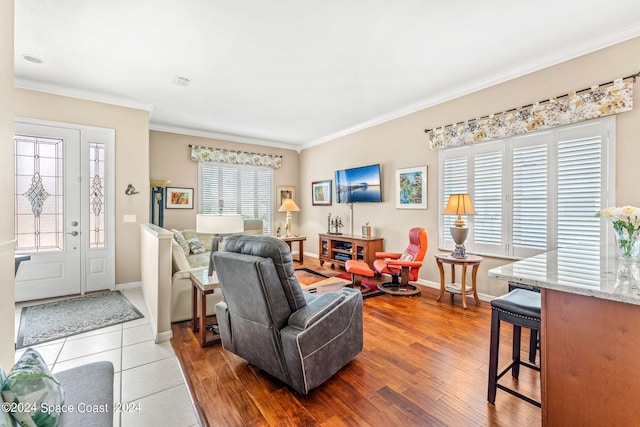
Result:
x=145 y=372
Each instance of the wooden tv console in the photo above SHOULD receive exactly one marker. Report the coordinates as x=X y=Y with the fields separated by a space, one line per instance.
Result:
x=338 y=248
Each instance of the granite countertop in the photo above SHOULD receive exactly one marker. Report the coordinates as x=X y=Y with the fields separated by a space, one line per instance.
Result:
x=597 y=272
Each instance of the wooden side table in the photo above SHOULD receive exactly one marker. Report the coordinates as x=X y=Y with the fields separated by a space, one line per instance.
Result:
x=203 y=285
x=454 y=288
x=300 y=239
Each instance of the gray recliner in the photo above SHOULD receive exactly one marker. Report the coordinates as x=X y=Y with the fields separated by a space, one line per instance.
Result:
x=303 y=339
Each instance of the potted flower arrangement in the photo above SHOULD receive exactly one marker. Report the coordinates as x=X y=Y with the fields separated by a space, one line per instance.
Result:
x=626 y=225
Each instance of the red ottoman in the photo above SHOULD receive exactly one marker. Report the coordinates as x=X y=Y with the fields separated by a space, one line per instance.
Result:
x=357 y=270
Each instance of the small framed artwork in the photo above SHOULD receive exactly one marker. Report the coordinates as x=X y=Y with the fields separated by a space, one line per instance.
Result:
x=285 y=192
x=179 y=198
x=411 y=188
x=321 y=191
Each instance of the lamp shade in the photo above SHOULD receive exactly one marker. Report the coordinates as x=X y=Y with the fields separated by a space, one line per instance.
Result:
x=459 y=204
x=219 y=224
x=289 y=206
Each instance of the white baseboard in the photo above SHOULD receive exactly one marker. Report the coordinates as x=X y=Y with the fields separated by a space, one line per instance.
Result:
x=435 y=285
x=163 y=337
x=130 y=285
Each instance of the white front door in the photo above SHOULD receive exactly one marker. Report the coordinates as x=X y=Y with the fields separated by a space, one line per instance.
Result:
x=62 y=221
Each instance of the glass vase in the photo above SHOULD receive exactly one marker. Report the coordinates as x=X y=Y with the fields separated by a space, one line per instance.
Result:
x=628 y=245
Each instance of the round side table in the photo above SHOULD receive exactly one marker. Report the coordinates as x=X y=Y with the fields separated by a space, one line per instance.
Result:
x=459 y=288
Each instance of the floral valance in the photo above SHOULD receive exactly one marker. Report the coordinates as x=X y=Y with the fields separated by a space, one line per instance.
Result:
x=206 y=154
x=603 y=100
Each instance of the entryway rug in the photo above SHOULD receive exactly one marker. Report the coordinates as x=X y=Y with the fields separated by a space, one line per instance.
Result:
x=60 y=319
x=307 y=277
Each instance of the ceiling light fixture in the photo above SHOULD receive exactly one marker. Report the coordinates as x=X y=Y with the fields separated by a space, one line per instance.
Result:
x=182 y=81
x=32 y=58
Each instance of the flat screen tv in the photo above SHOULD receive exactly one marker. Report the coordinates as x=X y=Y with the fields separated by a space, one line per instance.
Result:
x=359 y=185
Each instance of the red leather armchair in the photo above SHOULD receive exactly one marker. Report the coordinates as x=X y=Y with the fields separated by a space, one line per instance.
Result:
x=403 y=267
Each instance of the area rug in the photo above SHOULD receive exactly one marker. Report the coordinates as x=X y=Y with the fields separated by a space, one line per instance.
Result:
x=54 y=320
x=308 y=278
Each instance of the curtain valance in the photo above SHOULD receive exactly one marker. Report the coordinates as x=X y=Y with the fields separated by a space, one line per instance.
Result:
x=598 y=101
x=219 y=155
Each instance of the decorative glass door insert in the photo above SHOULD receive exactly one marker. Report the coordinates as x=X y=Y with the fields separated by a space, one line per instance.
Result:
x=39 y=195
x=96 y=195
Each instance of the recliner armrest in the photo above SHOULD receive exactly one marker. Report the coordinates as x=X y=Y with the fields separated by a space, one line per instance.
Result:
x=392 y=255
x=315 y=310
x=398 y=263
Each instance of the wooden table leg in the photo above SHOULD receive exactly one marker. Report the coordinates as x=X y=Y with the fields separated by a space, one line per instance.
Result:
x=301 y=254
x=463 y=286
x=441 y=279
x=474 y=274
x=194 y=308
x=453 y=279
x=203 y=319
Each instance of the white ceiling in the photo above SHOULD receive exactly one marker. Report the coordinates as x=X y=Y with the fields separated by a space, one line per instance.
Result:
x=295 y=73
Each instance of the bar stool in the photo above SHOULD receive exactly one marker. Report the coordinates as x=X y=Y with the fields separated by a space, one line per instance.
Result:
x=521 y=308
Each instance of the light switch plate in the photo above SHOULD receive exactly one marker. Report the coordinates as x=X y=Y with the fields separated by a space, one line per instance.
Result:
x=129 y=218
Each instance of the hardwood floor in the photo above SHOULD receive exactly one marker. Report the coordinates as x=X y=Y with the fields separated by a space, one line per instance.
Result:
x=424 y=363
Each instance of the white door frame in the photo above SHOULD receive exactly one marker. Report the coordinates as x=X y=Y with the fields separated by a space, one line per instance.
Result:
x=97 y=266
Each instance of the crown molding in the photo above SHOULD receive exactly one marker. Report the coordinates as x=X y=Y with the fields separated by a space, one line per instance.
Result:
x=223 y=136
x=80 y=94
x=537 y=64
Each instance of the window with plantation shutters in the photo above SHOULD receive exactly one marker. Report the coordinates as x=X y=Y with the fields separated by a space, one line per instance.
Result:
x=487 y=199
x=245 y=190
x=533 y=192
x=455 y=181
x=530 y=194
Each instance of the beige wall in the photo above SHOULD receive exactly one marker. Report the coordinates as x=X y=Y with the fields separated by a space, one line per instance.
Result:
x=131 y=157
x=170 y=158
x=7 y=309
x=402 y=143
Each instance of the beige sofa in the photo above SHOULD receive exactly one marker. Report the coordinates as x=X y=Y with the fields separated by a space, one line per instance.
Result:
x=184 y=263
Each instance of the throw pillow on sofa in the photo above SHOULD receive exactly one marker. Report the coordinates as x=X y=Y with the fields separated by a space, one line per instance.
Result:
x=181 y=241
x=196 y=246
x=37 y=395
x=204 y=238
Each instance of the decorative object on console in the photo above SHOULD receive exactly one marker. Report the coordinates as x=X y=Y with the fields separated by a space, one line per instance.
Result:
x=288 y=206
x=626 y=225
x=459 y=204
x=179 y=198
x=157 y=204
x=411 y=188
x=321 y=191
x=218 y=225
x=334 y=225
x=366 y=230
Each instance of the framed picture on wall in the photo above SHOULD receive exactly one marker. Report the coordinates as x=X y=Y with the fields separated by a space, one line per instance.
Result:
x=285 y=192
x=179 y=198
x=321 y=191
x=411 y=188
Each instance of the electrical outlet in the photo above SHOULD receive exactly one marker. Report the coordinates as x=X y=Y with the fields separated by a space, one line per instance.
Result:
x=129 y=218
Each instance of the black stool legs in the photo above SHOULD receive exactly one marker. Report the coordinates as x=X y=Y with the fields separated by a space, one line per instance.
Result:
x=521 y=308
